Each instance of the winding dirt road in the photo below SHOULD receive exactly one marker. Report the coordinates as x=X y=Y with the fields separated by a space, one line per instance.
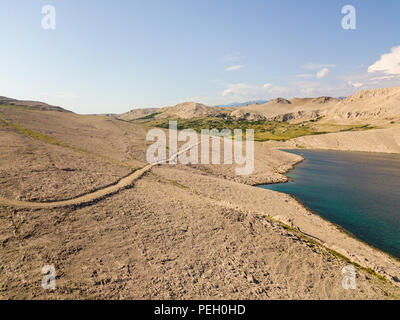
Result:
x=87 y=198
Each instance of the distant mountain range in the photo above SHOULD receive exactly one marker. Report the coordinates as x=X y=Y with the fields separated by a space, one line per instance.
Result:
x=373 y=106
x=241 y=104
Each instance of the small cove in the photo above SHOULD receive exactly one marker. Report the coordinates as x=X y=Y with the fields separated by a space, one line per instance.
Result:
x=355 y=190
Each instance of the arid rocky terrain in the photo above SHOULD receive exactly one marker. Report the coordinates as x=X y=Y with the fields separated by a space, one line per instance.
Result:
x=175 y=231
x=378 y=106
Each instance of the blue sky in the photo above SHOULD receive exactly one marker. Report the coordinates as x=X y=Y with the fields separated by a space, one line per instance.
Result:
x=112 y=56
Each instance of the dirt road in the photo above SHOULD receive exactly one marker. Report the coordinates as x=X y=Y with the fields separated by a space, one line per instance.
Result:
x=87 y=198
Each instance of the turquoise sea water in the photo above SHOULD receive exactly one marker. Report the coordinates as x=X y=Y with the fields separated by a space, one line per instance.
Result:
x=356 y=190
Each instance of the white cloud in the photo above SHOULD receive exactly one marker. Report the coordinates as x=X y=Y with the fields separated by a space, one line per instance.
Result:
x=244 y=91
x=239 y=89
x=389 y=63
x=233 y=68
x=322 y=73
x=304 y=86
x=356 y=84
x=389 y=77
x=304 y=75
x=239 y=92
x=314 y=66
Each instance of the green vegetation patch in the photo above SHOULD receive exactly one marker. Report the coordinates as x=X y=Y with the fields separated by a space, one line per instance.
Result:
x=39 y=136
x=149 y=116
x=331 y=251
x=264 y=130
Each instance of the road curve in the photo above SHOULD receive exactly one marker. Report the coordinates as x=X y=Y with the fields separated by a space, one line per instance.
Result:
x=96 y=195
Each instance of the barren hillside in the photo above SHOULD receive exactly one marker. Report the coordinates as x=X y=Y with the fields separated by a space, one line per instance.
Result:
x=377 y=106
x=374 y=106
x=189 y=110
x=30 y=104
x=378 y=140
x=178 y=232
x=138 y=113
x=281 y=109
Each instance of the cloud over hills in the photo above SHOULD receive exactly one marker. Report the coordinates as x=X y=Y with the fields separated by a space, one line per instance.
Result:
x=389 y=63
x=233 y=68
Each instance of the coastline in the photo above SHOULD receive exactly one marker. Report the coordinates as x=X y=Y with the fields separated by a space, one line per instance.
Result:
x=346 y=254
x=285 y=178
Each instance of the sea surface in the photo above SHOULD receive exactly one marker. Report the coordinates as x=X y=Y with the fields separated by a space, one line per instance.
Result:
x=358 y=191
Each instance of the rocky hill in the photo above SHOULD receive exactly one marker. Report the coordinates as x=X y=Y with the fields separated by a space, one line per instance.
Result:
x=372 y=106
x=31 y=104
x=368 y=105
x=189 y=110
x=138 y=113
